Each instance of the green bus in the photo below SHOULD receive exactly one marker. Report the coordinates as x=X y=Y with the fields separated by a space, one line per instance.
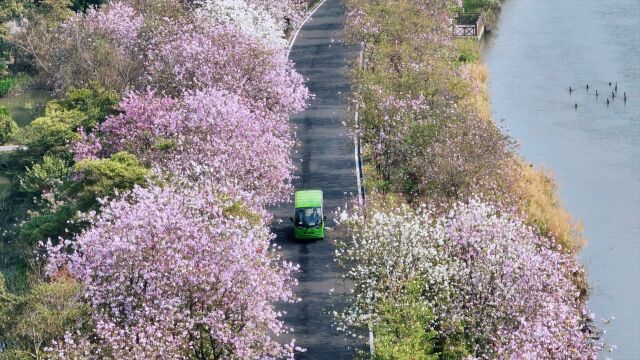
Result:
x=309 y=219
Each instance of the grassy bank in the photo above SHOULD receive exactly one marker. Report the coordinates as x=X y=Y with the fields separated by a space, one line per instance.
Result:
x=534 y=190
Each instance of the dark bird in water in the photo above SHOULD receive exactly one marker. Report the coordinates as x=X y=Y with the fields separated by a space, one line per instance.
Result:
x=570 y=89
x=587 y=87
x=596 y=92
x=613 y=95
x=625 y=96
x=616 y=87
x=609 y=83
x=575 y=106
x=607 y=102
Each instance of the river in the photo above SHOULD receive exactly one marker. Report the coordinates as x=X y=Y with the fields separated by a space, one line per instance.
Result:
x=26 y=106
x=540 y=48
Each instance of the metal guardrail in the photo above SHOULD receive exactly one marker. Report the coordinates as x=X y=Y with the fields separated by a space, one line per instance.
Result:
x=468 y=24
x=467 y=18
x=465 y=30
x=357 y=143
x=360 y=178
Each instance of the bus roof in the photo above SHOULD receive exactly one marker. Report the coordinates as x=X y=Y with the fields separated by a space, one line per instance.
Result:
x=308 y=198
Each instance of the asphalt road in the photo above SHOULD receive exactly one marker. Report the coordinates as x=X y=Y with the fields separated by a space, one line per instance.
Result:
x=324 y=161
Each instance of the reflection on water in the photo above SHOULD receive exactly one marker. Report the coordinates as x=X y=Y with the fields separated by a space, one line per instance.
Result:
x=26 y=106
x=539 y=49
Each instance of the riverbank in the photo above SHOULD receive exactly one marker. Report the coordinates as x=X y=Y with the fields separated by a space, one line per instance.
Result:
x=429 y=138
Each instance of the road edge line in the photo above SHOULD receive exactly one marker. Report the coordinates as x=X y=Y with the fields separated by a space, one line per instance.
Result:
x=294 y=36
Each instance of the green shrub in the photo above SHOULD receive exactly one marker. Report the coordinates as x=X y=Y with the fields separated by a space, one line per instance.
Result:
x=11 y=82
x=44 y=176
x=62 y=191
x=8 y=127
x=405 y=330
x=94 y=101
x=47 y=224
x=46 y=190
x=104 y=177
x=6 y=84
x=490 y=8
x=51 y=134
x=469 y=50
x=481 y=5
x=30 y=322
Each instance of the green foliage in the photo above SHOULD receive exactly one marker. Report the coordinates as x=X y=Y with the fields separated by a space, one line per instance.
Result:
x=45 y=176
x=164 y=144
x=44 y=203
x=8 y=83
x=490 y=8
x=35 y=41
x=9 y=9
x=94 y=101
x=66 y=190
x=240 y=210
x=402 y=332
x=405 y=330
x=84 y=5
x=55 y=9
x=30 y=322
x=103 y=177
x=481 y=5
x=47 y=189
x=51 y=134
x=49 y=223
x=469 y=50
x=8 y=127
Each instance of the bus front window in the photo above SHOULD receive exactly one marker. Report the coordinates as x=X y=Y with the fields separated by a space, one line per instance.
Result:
x=308 y=217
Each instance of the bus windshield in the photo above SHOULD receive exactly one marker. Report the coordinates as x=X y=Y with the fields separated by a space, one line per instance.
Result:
x=308 y=217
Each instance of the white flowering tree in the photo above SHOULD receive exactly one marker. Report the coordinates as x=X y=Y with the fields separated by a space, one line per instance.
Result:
x=509 y=291
x=245 y=16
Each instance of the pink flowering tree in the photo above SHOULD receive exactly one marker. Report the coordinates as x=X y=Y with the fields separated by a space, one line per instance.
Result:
x=178 y=273
x=186 y=57
x=428 y=22
x=212 y=100
x=99 y=46
x=186 y=270
x=508 y=290
x=208 y=134
x=173 y=47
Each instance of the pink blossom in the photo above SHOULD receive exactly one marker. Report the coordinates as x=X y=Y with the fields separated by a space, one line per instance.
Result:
x=207 y=134
x=170 y=272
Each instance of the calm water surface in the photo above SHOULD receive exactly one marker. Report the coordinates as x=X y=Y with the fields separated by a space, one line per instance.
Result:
x=538 y=50
x=27 y=106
